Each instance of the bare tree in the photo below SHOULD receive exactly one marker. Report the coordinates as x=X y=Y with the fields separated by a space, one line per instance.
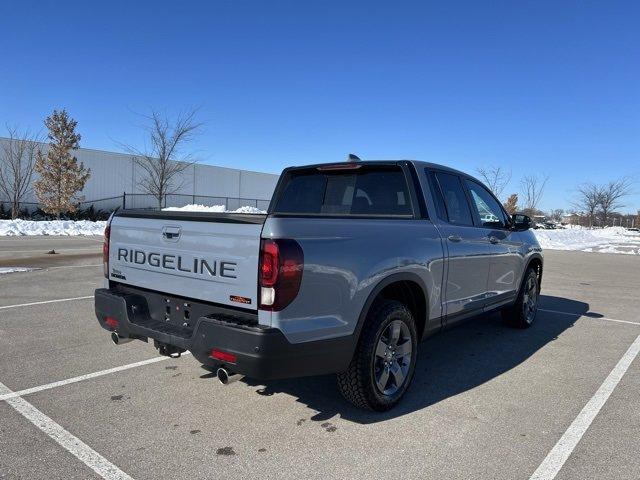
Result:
x=495 y=178
x=611 y=195
x=588 y=200
x=164 y=159
x=17 y=159
x=556 y=215
x=532 y=190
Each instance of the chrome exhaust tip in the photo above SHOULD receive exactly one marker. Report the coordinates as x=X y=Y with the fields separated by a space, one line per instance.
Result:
x=118 y=340
x=226 y=377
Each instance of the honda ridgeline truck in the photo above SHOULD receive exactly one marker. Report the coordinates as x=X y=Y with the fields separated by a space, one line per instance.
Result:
x=352 y=265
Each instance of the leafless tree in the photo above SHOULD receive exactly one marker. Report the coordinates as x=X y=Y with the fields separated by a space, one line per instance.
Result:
x=588 y=200
x=165 y=158
x=496 y=178
x=611 y=195
x=17 y=160
x=532 y=190
x=556 y=215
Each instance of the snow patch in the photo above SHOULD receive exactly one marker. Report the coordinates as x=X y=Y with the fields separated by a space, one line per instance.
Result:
x=4 y=270
x=212 y=208
x=603 y=240
x=50 y=227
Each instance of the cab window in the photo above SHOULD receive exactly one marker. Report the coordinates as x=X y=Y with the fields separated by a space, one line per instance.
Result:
x=486 y=207
x=454 y=198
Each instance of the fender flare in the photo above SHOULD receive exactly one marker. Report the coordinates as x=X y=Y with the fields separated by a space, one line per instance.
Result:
x=393 y=278
x=534 y=256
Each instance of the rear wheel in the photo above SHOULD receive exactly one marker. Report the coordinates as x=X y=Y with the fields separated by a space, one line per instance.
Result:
x=384 y=361
x=523 y=312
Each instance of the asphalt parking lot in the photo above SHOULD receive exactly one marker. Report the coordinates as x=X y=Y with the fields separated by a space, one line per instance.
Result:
x=559 y=400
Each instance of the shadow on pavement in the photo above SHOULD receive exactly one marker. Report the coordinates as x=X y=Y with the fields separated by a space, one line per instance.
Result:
x=566 y=305
x=449 y=363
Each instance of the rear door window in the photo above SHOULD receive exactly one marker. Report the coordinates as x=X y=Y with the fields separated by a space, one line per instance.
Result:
x=367 y=190
x=455 y=199
x=437 y=197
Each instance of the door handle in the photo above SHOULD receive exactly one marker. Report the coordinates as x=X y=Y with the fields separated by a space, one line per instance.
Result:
x=454 y=238
x=493 y=239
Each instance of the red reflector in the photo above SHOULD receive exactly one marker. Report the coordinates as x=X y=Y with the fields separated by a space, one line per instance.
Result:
x=111 y=322
x=223 y=356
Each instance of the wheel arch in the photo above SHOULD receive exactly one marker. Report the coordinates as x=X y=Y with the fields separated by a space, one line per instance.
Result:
x=534 y=262
x=406 y=287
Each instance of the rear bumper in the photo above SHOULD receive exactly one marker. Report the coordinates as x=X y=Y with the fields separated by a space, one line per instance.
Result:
x=262 y=353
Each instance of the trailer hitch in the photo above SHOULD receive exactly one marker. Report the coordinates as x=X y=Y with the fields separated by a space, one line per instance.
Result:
x=168 y=350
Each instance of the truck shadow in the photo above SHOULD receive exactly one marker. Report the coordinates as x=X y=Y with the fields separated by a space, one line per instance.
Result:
x=449 y=363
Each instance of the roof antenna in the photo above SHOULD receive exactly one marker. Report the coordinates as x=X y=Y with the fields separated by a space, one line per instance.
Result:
x=353 y=158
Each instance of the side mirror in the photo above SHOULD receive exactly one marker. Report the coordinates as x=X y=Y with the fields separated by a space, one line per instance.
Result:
x=521 y=222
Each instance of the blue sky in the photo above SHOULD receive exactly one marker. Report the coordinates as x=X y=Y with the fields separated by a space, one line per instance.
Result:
x=542 y=86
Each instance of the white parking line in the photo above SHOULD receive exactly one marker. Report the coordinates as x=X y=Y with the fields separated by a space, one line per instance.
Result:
x=556 y=458
x=65 y=439
x=27 y=391
x=46 y=301
x=583 y=315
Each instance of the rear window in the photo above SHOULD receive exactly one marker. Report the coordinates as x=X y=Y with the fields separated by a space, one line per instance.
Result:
x=366 y=191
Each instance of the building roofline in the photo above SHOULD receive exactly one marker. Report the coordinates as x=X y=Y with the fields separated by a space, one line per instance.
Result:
x=130 y=155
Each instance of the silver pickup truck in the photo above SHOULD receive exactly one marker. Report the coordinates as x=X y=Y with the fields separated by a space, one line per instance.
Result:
x=351 y=267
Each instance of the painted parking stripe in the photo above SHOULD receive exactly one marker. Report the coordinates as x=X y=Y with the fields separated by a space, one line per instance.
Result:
x=80 y=378
x=583 y=315
x=556 y=458
x=46 y=301
x=65 y=439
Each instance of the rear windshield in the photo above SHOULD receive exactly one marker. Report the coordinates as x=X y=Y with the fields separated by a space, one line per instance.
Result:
x=368 y=190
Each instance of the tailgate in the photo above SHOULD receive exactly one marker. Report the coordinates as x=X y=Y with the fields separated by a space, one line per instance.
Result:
x=205 y=256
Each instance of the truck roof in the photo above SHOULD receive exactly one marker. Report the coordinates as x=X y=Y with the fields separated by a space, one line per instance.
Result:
x=416 y=163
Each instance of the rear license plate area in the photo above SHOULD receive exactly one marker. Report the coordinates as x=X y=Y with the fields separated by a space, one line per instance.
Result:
x=178 y=312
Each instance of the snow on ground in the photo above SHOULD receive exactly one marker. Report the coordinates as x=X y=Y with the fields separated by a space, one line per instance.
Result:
x=50 y=227
x=603 y=240
x=214 y=209
x=87 y=227
x=4 y=270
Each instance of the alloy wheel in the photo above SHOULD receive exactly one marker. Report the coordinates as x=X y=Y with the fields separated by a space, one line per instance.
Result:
x=530 y=300
x=393 y=357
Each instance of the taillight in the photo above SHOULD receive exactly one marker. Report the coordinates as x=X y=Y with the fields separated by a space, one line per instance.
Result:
x=281 y=265
x=105 y=250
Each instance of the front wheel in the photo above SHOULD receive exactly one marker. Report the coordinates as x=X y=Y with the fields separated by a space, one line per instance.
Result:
x=384 y=361
x=523 y=312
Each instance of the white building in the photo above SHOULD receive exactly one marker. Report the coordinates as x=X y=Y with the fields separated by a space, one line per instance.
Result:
x=113 y=174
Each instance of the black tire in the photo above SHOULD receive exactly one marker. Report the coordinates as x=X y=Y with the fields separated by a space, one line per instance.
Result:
x=523 y=312
x=359 y=384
